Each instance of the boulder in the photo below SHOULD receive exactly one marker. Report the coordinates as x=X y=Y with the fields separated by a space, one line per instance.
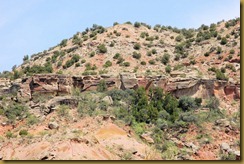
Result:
x=225 y=147
x=222 y=123
x=53 y=125
x=193 y=147
x=108 y=100
x=128 y=81
x=147 y=138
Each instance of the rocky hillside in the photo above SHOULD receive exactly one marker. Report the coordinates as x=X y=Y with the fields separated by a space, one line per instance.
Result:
x=127 y=92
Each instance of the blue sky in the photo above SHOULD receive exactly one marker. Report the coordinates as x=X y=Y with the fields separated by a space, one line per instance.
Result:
x=31 y=26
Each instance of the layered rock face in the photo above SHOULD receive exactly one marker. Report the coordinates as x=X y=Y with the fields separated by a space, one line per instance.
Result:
x=62 y=85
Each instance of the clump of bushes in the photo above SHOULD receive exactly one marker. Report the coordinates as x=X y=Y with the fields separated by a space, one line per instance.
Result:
x=168 y=69
x=102 y=86
x=23 y=132
x=63 y=43
x=152 y=61
x=107 y=64
x=143 y=63
x=102 y=48
x=137 y=46
x=137 y=24
x=75 y=58
x=136 y=55
x=165 y=58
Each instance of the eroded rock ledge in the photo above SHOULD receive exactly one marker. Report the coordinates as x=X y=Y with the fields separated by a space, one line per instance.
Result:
x=62 y=85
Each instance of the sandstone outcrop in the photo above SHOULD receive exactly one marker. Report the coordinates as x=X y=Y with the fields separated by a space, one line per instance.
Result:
x=59 y=85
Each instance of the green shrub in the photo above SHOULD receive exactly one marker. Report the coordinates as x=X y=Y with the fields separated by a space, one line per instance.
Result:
x=144 y=34
x=92 y=54
x=9 y=134
x=137 y=46
x=86 y=106
x=231 y=67
x=15 y=110
x=128 y=22
x=102 y=48
x=102 y=86
x=76 y=39
x=220 y=75
x=154 y=51
x=192 y=62
x=120 y=60
x=223 y=70
x=75 y=58
x=107 y=64
x=198 y=101
x=137 y=24
x=213 y=103
x=178 y=38
x=111 y=44
x=149 y=53
x=177 y=57
x=77 y=65
x=165 y=58
x=83 y=61
x=25 y=58
x=187 y=103
x=23 y=132
x=223 y=41
x=63 y=43
x=115 y=23
x=219 y=50
x=168 y=69
x=213 y=69
x=63 y=110
x=116 y=56
x=126 y=64
x=206 y=54
x=89 y=72
x=232 y=51
x=229 y=156
x=178 y=67
x=139 y=128
x=152 y=61
x=136 y=55
x=143 y=63
x=32 y=119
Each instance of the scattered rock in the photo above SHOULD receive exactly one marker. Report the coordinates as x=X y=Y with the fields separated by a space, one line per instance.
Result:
x=237 y=153
x=47 y=156
x=222 y=123
x=147 y=138
x=193 y=147
x=4 y=123
x=53 y=125
x=113 y=118
x=94 y=140
x=225 y=147
x=179 y=143
x=1 y=157
x=128 y=81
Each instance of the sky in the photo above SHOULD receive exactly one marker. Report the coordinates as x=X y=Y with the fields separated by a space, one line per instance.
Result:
x=31 y=26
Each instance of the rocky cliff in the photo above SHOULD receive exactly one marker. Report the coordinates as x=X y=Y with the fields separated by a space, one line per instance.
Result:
x=62 y=85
